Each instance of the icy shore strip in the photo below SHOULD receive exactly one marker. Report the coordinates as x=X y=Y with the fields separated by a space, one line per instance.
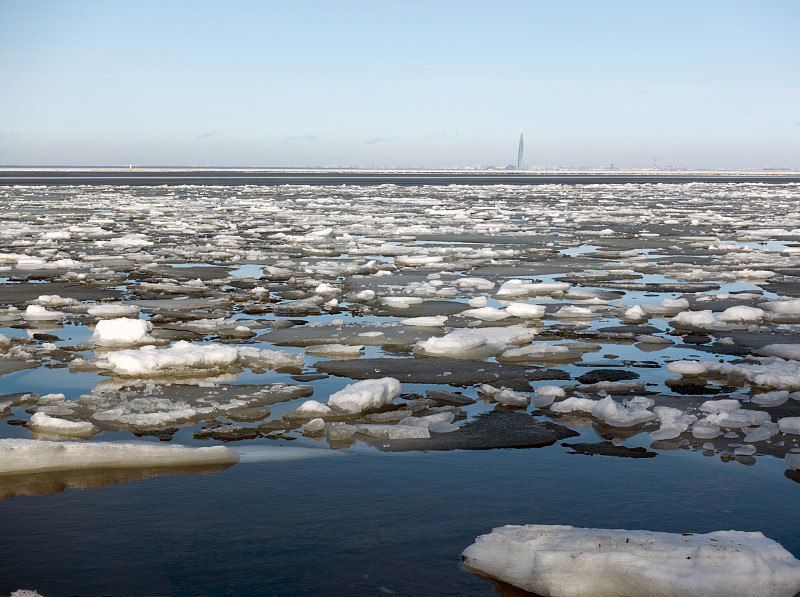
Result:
x=564 y=561
x=24 y=455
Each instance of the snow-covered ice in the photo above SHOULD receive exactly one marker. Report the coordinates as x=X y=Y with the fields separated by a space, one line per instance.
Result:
x=22 y=455
x=556 y=561
x=361 y=396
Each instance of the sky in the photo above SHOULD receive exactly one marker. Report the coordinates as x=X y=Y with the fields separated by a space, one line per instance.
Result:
x=400 y=84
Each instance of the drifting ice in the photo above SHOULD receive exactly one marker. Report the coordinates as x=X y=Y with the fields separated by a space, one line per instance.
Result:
x=570 y=562
x=24 y=455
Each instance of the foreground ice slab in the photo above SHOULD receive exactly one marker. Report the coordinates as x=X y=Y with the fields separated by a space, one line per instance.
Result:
x=24 y=455
x=564 y=561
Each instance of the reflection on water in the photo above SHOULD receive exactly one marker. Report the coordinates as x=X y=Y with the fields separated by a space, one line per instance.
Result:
x=43 y=483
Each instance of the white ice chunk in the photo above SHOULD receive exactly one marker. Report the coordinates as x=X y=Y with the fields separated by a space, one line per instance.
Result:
x=784 y=351
x=525 y=310
x=39 y=313
x=366 y=395
x=434 y=321
x=573 y=404
x=615 y=415
x=573 y=312
x=705 y=430
x=486 y=314
x=739 y=418
x=686 y=367
x=335 y=350
x=182 y=355
x=775 y=398
x=573 y=562
x=314 y=426
x=44 y=423
x=112 y=310
x=18 y=455
x=700 y=319
x=555 y=391
x=475 y=283
x=741 y=314
x=720 y=406
x=789 y=425
x=312 y=409
x=394 y=431
x=122 y=331
x=783 y=307
x=512 y=398
x=460 y=344
x=401 y=302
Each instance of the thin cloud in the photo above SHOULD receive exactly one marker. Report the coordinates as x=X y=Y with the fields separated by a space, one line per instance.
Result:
x=306 y=137
x=207 y=134
x=375 y=140
x=443 y=137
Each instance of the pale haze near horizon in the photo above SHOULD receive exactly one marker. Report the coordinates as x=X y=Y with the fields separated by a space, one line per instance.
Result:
x=371 y=83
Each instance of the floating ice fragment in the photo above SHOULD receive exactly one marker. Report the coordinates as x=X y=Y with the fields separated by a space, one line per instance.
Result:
x=401 y=302
x=428 y=322
x=573 y=404
x=512 y=398
x=741 y=314
x=561 y=560
x=700 y=319
x=182 y=356
x=486 y=314
x=346 y=351
x=789 y=425
x=475 y=283
x=122 y=332
x=525 y=310
x=719 y=406
x=573 y=312
x=43 y=423
x=686 y=367
x=460 y=344
x=18 y=455
x=39 y=313
x=615 y=415
x=775 y=398
x=112 y=310
x=366 y=395
x=704 y=430
x=394 y=432
x=739 y=418
x=784 y=351
x=314 y=426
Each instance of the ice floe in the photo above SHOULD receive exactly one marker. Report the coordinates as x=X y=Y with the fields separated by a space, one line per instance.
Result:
x=21 y=455
x=553 y=561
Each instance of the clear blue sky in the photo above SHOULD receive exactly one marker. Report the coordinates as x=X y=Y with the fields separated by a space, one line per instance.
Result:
x=711 y=84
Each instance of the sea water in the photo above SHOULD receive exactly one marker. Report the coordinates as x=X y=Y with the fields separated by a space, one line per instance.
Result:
x=354 y=520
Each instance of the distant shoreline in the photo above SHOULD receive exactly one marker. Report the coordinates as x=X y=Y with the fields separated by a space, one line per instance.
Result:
x=227 y=177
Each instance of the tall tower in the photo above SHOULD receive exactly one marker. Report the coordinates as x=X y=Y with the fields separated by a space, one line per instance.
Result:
x=519 y=153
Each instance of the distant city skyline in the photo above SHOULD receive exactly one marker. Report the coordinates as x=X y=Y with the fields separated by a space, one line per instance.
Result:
x=379 y=83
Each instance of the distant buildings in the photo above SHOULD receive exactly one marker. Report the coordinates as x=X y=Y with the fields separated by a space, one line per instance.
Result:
x=519 y=152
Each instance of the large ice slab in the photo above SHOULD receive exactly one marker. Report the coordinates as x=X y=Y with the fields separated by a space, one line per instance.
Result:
x=24 y=455
x=564 y=561
x=183 y=357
